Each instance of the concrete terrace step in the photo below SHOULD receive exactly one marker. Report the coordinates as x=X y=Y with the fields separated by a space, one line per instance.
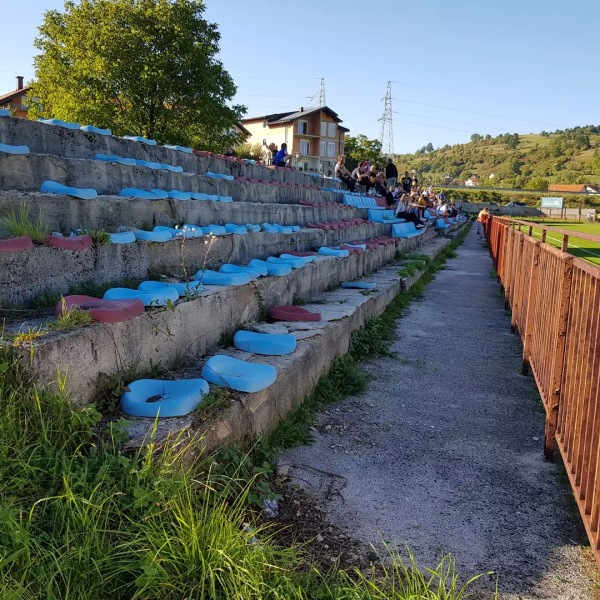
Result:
x=252 y=415
x=26 y=173
x=193 y=327
x=63 y=213
x=27 y=274
x=48 y=139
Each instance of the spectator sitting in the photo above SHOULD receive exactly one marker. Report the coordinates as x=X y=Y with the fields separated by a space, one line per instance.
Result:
x=274 y=150
x=403 y=212
x=342 y=173
x=282 y=158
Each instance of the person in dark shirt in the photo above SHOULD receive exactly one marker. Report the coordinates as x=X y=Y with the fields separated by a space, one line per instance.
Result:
x=406 y=183
x=391 y=173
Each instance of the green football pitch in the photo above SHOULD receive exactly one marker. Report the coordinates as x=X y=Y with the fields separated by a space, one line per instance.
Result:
x=585 y=249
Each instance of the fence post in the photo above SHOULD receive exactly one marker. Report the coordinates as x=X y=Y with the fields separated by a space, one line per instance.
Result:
x=558 y=359
x=516 y=296
x=533 y=282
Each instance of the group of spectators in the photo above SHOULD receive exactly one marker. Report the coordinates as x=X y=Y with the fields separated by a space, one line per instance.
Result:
x=403 y=194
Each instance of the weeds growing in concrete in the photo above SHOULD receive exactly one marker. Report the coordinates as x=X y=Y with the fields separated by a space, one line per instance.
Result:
x=19 y=223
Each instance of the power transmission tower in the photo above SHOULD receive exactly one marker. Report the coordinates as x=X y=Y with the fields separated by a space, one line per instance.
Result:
x=387 y=129
x=318 y=100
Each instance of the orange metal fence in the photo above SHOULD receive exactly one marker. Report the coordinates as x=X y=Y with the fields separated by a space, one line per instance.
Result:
x=555 y=303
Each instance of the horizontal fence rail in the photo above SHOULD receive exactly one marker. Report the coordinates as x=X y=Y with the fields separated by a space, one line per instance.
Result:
x=555 y=302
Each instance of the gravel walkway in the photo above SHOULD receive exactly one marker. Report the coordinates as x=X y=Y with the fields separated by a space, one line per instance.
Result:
x=443 y=452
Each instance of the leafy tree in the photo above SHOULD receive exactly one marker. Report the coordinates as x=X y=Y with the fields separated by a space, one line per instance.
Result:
x=512 y=141
x=361 y=148
x=476 y=137
x=537 y=183
x=144 y=67
x=429 y=147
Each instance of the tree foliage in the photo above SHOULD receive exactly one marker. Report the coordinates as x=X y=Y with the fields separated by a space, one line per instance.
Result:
x=142 y=67
x=361 y=148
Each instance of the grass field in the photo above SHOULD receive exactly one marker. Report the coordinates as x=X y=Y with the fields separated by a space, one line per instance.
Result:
x=585 y=249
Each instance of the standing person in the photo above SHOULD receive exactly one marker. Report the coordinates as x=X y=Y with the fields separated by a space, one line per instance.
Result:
x=481 y=219
x=406 y=183
x=282 y=158
x=391 y=173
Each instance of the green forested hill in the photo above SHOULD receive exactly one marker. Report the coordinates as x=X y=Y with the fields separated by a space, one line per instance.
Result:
x=513 y=161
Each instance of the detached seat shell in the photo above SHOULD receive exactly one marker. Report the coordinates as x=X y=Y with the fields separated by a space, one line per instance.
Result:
x=270 y=344
x=16 y=244
x=158 y=398
x=239 y=375
x=102 y=311
x=286 y=312
x=75 y=242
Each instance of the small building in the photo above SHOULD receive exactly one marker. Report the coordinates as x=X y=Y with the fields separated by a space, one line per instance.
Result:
x=575 y=188
x=473 y=181
x=15 y=100
x=313 y=136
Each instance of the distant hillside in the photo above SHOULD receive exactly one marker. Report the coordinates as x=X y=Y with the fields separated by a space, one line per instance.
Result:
x=530 y=161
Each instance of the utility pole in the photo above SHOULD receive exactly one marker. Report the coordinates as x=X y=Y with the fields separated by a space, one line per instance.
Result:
x=387 y=129
x=318 y=100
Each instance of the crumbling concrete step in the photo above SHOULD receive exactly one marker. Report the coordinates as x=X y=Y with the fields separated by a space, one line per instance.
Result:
x=27 y=173
x=252 y=415
x=63 y=213
x=189 y=330
x=27 y=274
x=48 y=139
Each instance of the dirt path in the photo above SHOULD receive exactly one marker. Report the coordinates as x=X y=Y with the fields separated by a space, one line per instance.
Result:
x=443 y=452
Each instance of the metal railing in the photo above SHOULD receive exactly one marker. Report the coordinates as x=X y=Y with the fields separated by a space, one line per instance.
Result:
x=555 y=303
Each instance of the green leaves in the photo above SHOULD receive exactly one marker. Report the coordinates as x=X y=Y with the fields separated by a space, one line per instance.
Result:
x=142 y=67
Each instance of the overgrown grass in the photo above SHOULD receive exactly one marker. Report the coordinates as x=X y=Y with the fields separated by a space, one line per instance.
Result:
x=99 y=236
x=79 y=519
x=19 y=223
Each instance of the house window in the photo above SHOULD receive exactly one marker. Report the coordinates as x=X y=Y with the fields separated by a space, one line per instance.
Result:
x=331 y=127
x=306 y=166
x=304 y=147
x=330 y=149
x=323 y=129
x=303 y=127
x=323 y=148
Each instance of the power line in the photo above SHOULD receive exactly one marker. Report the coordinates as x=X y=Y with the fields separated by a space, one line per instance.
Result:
x=473 y=112
x=449 y=121
x=387 y=127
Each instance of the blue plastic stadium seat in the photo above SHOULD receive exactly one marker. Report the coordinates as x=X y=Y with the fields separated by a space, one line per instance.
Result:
x=237 y=374
x=214 y=230
x=179 y=148
x=278 y=269
x=306 y=259
x=179 y=195
x=270 y=344
x=173 y=169
x=152 y=236
x=126 y=237
x=130 y=162
x=254 y=273
x=4 y=112
x=406 y=230
x=190 y=288
x=237 y=229
x=199 y=196
x=157 y=398
x=10 y=149
x=143 y=194
x=53 y=187
x=253 y=227
x=148 y=164
x=325 y=251
x=59 y=123
x=208 y=277
x=92 y=129
x=296 y=262
x=362 y=285
x=157 y=297
x=139 y=138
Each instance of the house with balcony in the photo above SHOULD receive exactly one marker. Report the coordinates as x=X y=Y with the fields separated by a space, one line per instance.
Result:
x=314 y=136
x=15 y=100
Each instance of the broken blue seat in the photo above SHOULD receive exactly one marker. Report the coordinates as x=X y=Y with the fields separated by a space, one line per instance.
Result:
x=253 y=272
x=130 y=162
x=208 y=277
x=269 y=344
x=139 y=138
x=144 y=194
x=325 y=251
x=155 y=297
x=98 y=130
x=237 y=229
x=53 y=187
x=59 y=123
x=190 y=288
x=280 y=269
x=239 y=375
x=296 y=262
x=179 y=148
x=383 y=216
x=157 y=398
x=152 y=236
x=10 y=149
x=361 y=285
x=125 y=237
x=441 y=224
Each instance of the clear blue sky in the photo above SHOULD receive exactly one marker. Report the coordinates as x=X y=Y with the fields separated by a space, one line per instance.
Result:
x=458 y=67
